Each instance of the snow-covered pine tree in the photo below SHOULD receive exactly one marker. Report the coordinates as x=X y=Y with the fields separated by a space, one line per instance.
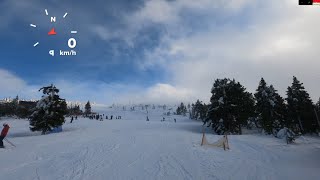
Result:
x=192 y=111
x=230 y=106
x=300 y=108
x=199 y=111
x=317 y=108
x=15 y=105
x=164 y=107
x=182 y=110
x=178 y=111
x=49 y=112
x=88 y=108
x=270 y=108
x=263 y=106
x=279 y=111
x=203 y=111
x=317 y=111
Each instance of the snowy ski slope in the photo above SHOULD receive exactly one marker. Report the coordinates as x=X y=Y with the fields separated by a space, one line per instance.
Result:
x=132 y=148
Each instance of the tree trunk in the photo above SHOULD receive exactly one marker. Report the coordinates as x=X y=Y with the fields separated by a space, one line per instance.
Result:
x=317 y=116
x=301 y=128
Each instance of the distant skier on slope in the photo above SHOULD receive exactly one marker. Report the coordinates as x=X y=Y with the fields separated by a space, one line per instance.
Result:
x=4 y=133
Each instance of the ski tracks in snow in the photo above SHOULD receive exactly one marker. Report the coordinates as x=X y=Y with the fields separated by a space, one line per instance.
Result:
x=38 y=177
x=170 y=166
x=257 y=157
x=141 y=158
x=98 y=158
x=80 y=165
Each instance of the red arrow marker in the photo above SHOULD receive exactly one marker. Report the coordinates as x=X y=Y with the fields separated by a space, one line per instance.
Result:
x=52 y=32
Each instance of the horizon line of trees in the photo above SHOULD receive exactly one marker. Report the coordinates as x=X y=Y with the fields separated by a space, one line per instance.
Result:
x=231 y=108
x=24 y=109
x=45 y=114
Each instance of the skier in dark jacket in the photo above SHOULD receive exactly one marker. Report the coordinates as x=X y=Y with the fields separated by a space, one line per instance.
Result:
x=4 y=133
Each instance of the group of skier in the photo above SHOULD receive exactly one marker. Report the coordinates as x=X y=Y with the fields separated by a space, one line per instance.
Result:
x=164 y=119
x=101 y=117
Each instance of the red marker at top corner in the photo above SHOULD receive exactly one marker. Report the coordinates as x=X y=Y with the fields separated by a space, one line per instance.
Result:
x=315 y=2
x=52 y=32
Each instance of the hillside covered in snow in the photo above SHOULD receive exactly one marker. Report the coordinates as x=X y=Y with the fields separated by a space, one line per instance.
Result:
x=133 y=148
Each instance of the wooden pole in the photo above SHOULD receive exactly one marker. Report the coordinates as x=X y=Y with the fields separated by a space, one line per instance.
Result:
x=227 y=142
x=224 y=142
x=202 y=139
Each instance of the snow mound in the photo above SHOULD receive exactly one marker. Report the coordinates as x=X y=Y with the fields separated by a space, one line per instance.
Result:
x=282 y=133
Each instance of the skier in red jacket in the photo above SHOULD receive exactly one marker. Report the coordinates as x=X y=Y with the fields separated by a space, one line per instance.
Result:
x=4 y=133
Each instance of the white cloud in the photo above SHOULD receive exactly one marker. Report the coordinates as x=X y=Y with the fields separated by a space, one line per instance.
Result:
x=95 y=91
x=165 y=13
x=275 y=49
x=10 y=82
x=166 y=93
x=108 y=94
x=157 y=11
x=12 y=85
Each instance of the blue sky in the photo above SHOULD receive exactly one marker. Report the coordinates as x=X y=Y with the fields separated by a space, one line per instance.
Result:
x=96 y=57
x=156 y=50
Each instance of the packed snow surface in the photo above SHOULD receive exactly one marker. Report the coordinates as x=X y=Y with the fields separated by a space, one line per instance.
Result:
x=132 y=148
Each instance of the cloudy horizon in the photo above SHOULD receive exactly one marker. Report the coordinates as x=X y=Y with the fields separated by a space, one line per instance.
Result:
x=158 y=51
